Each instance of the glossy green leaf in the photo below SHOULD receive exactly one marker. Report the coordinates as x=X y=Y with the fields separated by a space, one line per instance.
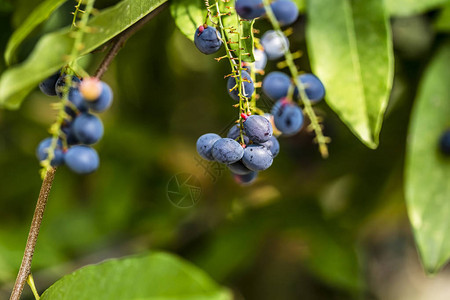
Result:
x=156 y=276
x=51 y=51
x=38 y=15
x=427 y=183
x=350 y=48
x=246 y=37
x=412 y=7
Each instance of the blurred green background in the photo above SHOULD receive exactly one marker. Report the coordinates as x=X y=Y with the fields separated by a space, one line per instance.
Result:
x=308 y=228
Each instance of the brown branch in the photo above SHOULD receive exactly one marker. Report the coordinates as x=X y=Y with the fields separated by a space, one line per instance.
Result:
x=25 y=267
x=120 y=40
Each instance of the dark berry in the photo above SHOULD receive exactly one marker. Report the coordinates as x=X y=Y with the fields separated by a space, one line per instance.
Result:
x=88 y=129
x=276 y=85
x=104 y=101
x=314 y=88
x=207 y=39
x=288 y=117
x=239 y=168
x=61 y=83
x=42 y=152
x=227 y=151
x=247 y=86
x=82 y=159
x=235 y=134
x=275 y=43
x=205 y=144
x=272 y=145
x=258 y=129
x=285 y=11
x=444 y=143
x=245 y=179
x=257 y=158
x=48 y=85
x=249 y=9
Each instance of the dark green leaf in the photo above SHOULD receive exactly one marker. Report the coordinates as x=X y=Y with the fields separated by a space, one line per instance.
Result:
x=412 y=7
x=51 y=51
x=39 y=15
x=350 y=47
x=427 y=170
x=154 y=276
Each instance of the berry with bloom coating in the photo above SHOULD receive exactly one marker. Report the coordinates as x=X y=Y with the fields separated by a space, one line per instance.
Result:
x=82 y=159
x=235 y=134
x=207 y=39
x=239 y=168
x=314 y=88
x=42 y=152
x=104 y=101
x=288 y=117
x=275 y=43
x=245 y=179
x=257 y=157
x=247 y=86
x=227 y=151
x=61 y=83
x=272 y=145
x=258 y=129
x=276 y=85
x=48 y=85
x=88 y=129
x=285 y=11
x=205 y=144
x=249 y=9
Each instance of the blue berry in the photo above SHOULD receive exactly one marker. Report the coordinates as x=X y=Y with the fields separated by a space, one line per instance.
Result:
x=88 y=129
x=235 y=134
x=257 y=157
x=276 y=85
x=104 y=101
x=274 y=43
x=272 y=145
x=61 y=83
x=245 y=179
x=207 y=39
x=77 y=100
x=258 y=129
x=239 y=168
x=313 y=87
x=42 y=154
x=247 y=87
x=288 y=117
x=285 y=11
x=227 y=151
x=205 y=144
x=48 y=85
x=70 y=135
x=444 y=143
x=260 y=59
x=249 y=9
x=82 y=159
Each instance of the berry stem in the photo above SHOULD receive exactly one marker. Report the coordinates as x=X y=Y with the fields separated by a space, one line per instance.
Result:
x=315 y=124
x=25 y=266
x=30 y=282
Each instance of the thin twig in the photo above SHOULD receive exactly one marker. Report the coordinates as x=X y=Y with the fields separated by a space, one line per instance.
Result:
x=25 y=267
x=119 y=41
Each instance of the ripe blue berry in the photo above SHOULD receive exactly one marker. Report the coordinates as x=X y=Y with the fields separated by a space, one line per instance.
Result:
x=70 y=135
x=257 y=158
x=313 y=86
x=207 y=39
x=285 y=11
x=227 y=151
x=444 y=143
x=104 y=101
x=272 y=145
x=205 y=144
x=235 y=134
x=276 y=85
x=258 y=129
x=274 y=43
x=42 y=152
x=88 y=129
x=239 y=168
x=77 y=100
x=245 y=179
x=288 y=117
x=48 y=85
x=249 y=9
x=247 y=86
x=61 y=83
x=82 y=159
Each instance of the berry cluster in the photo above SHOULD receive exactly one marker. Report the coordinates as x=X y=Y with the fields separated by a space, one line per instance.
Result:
x=251 y=145
x=78 y=127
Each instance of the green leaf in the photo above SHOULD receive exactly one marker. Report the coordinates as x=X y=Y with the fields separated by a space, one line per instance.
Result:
x=188 y=15
x=301 y=5
x=427 y=173
x=246 y=43
x=412 y=7
x=51 y=51
x=39 y=15
x=351 y=52
x=443 y=21
x=157 y=276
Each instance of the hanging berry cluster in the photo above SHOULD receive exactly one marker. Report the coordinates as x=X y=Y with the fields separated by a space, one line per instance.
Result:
x=251 y=145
